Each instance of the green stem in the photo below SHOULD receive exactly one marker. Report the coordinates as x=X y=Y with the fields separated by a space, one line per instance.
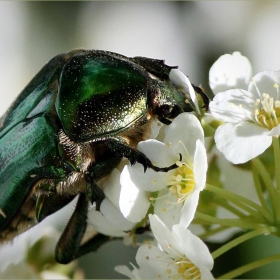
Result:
x=211 y=232
x=245 y=224
x=276 y=150
x=238 y=241
x=260 y=167
x=230 y=208
x=248 y=267
x=241 y=202
x=259 y=189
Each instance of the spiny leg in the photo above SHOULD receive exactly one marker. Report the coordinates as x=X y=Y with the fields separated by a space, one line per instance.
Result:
x=69 y=245
x=49 y=203
x=96 y=172
x=119 y=146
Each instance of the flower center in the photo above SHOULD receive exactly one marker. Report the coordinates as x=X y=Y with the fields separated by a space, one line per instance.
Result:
x=185 y=270
x=267 y=111
x=182 y=181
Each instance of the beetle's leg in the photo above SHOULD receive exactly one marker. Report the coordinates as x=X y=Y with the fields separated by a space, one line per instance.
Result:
x=204 y=96
x=70 y=240
x=47 y=204
x=94 y=193
x=69 y=245
x=48 y=200
x=95 y=172
x=119 y=146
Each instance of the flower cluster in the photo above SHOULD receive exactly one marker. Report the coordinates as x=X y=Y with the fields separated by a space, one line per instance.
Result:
x=248 y=106
x=167 y=201
x=205 y=196
x=244 y=116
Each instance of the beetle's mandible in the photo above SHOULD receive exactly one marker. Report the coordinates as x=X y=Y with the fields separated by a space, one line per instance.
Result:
x=70 y=127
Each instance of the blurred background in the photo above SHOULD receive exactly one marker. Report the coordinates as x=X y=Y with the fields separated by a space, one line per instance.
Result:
x=191 y=35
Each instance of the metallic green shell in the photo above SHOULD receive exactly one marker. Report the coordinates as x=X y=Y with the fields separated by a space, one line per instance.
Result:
x=28 y=141
x=100 y=95
x=28 y=153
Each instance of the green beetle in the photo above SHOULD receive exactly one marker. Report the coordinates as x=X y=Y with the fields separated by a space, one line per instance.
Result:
x=70 y=126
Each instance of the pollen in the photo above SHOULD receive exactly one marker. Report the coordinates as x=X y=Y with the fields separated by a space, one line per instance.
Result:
x=182 y=182
x=183 y=268
x=267 y=110
x=187 y=269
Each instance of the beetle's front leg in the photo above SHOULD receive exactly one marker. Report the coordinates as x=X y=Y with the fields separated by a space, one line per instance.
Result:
x=120 y=147
x=69 y=245
x=95 y=172
x=70 y=240
x=93 y=192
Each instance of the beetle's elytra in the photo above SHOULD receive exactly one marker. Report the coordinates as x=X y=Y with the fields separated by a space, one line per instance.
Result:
x=69 y=128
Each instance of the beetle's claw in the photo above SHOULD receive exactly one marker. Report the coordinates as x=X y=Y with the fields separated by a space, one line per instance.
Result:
x=94 y=193
x=132 y=161
x=163 y=169
x=142 y=159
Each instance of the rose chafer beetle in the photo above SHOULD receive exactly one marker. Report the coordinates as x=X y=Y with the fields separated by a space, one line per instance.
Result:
x=71 y=125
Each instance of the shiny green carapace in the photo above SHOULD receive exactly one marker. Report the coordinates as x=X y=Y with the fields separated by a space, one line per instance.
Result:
x=70 y=127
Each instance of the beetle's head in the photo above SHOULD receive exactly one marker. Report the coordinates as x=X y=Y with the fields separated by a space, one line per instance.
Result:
x=166 y=101
x=166 y=96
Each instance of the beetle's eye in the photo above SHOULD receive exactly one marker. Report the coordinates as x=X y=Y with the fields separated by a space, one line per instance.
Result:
x=167 y=111
x=174 y=112
x=164 y=110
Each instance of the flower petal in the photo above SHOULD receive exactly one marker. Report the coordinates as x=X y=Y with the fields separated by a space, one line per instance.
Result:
x=114 y=216
x=150 y=260
x=181 y=81
x=102 y=225
x=157 y=152
x=275 y=131
x=233 y=105
x=266 y=82
x=164 y=236
x=123 y=269
x=169 y=213
x=134 y=203
x=230 y=71
x=205 y=273
x=200 y=165
x=242 y=142
x=186 y=128
x=189 y=209
x=193 y=247
x=112 y=187
x=150 y=181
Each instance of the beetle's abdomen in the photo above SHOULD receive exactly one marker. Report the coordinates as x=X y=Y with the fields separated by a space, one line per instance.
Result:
x=28 y=153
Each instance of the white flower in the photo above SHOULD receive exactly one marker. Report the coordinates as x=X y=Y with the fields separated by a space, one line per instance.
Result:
x=230 y=71
x=31 y=253
x=180 y=255
x=251 y=117
x=179 y=79
x=110 y=221
x=175 y=193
